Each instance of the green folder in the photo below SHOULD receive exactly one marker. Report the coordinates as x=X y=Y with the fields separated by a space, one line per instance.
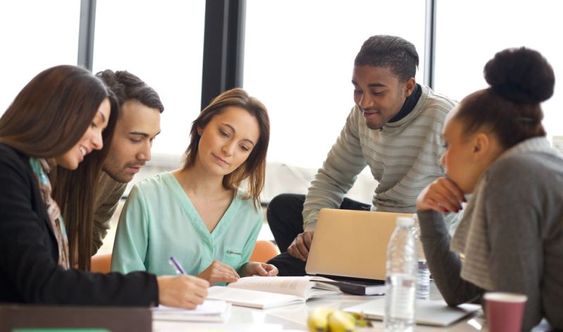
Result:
x=50 y=329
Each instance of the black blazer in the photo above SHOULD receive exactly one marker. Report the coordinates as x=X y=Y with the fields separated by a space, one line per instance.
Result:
x=29 y=254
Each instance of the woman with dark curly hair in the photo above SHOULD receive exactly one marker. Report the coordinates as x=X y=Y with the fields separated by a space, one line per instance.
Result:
x=511 y=236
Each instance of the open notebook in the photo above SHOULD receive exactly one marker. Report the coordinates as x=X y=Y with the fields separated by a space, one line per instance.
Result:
x=428 y=312
x=268 y=292
x=351 y=246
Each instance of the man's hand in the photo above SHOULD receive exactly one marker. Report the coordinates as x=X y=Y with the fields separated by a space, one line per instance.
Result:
x=442 y=195
x=219 y=272
x=299 y=248
x=259 y=269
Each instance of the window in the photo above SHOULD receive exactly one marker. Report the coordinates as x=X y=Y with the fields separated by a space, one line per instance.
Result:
x=36 y=35
x=469 y=33
x=299 y=59
x=162 y=43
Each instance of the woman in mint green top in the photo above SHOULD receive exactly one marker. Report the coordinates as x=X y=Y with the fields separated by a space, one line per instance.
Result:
x=198 y=213
x=159 y=220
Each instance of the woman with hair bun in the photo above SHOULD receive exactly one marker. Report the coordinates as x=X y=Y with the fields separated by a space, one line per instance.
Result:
x=511 y=234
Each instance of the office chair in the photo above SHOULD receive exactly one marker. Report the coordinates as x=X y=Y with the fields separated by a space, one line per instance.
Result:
x=100 y=263
x=263 y=251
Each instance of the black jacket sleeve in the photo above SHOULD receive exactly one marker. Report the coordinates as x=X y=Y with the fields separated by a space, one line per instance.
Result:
x=29 y=272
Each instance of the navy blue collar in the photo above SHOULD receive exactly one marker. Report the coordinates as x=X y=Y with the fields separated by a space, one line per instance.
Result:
x=409 y=104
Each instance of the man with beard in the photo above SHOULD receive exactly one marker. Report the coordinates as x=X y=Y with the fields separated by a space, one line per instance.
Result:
x=394 y=128
x=137 y=125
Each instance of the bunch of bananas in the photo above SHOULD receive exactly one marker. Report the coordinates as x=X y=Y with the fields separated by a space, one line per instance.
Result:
x=324 y=319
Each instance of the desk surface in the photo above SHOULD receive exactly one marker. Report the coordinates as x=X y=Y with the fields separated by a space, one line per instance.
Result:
x=294 y=317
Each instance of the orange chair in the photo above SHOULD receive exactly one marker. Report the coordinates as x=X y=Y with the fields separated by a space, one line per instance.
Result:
x=100 y=263
x=263 y=251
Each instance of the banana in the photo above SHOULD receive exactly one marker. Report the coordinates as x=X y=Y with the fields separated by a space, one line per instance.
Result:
x=361 y=321
x=317 y=320
x=341 y=321
x=325 y=319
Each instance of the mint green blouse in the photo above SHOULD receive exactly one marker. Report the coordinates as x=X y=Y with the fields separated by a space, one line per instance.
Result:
x=158 y=221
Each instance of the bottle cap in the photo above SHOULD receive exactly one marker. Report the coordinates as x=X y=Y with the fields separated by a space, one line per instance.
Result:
x=405 y=221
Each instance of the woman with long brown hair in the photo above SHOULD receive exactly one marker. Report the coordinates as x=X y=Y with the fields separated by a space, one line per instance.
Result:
x=200 y=213
x=57 y=120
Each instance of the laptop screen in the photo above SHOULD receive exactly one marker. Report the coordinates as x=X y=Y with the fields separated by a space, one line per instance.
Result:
x=351 y=243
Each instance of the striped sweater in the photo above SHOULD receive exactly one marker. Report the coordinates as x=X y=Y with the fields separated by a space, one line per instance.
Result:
x=404 y=157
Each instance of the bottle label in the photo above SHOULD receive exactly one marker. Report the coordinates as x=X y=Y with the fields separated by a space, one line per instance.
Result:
x=423 y=281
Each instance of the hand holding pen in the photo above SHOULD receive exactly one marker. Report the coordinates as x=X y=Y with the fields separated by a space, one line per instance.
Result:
x=183 y=290
x=177 y=266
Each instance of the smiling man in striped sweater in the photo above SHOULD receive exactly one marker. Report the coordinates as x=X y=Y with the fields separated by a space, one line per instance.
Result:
x=394 y=128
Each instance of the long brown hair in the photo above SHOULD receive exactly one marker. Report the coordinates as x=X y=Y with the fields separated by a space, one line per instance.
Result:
x=254 y=168
x=52 y=112
x=75 y=192
x=46 y=119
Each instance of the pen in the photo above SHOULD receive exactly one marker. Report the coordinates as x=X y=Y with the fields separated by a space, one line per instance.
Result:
x=177 y=266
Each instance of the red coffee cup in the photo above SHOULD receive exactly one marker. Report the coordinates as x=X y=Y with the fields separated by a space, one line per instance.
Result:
x=504 y=311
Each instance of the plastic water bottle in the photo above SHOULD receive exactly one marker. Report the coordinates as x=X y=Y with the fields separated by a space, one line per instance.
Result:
x=401 y=277
x=423 y=273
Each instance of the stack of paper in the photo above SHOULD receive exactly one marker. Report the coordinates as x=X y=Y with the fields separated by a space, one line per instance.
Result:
x=208 y=311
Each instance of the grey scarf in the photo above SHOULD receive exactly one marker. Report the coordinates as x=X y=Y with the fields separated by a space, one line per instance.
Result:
x=471 y=237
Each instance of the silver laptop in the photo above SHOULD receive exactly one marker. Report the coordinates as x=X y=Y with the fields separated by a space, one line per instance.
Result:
x=351 y=244
x=427 y=312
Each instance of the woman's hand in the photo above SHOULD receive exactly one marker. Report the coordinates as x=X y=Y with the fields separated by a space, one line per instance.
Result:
x=219 y=272
x=442 y=195
x=259 y=269
x=181 y=291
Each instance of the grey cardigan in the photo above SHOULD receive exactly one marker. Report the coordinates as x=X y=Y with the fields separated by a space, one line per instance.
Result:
x=524 y=220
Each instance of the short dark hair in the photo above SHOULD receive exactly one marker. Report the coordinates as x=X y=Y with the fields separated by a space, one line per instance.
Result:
x=127 y=86
x=519 y=80
x=390 y=52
